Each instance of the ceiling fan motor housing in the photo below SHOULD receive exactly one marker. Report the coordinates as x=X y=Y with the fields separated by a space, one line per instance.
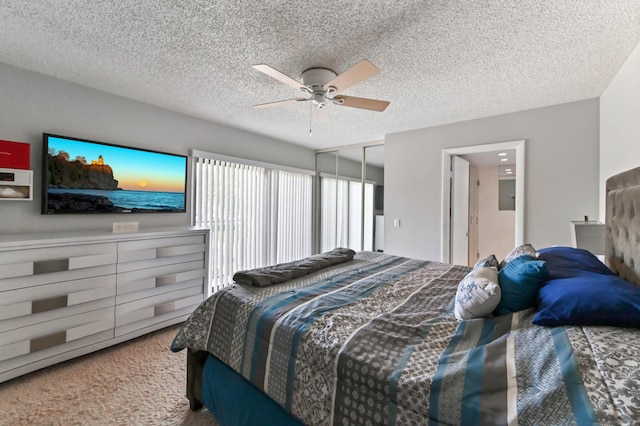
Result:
x=315 y=79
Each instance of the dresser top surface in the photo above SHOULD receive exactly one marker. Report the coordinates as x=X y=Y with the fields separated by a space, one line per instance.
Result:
x=29 y=240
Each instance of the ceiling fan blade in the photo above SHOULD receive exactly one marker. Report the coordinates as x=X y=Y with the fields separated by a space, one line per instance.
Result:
x=283 y=78
x=278 y=103
x=360 y=71
x=363 y=103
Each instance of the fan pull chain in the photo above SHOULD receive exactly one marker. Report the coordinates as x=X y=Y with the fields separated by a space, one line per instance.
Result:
x=310 y=119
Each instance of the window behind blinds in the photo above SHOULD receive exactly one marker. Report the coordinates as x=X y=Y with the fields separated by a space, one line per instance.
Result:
x=258 y=216
x=340 y=214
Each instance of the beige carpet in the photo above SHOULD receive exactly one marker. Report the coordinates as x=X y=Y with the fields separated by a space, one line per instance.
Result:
x=139 y=382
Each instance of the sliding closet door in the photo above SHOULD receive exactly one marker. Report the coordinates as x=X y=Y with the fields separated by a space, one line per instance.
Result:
x=374 y=198
x=346 y=201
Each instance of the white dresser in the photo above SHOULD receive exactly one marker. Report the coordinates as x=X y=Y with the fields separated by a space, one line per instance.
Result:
x=64 y=295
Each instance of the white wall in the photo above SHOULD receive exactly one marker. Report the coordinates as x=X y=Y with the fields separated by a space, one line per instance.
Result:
x=496 y=228
x=620 y=123
x=32 y=103
x=561 y=181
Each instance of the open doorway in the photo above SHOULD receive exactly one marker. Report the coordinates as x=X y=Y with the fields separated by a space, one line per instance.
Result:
x=463 y=246
x=491 y=213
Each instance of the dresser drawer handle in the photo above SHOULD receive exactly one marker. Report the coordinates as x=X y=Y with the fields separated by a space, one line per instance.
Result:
x=164 y=308
x=166 y=280
x=44 y=305
x=48 y=266
x=45 y=342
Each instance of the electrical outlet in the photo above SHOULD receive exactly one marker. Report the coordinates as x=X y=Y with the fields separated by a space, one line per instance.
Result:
x=125 y=226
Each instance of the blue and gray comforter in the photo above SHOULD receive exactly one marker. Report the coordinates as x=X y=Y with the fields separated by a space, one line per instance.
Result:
x=374 y=341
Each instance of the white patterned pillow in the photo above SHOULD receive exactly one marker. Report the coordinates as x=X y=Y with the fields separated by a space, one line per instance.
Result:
x=478 y=294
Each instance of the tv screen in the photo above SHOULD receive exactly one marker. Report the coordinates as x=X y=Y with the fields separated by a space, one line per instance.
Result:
x=82 y=176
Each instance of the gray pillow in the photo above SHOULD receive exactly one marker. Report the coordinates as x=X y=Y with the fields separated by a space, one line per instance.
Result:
x=524 y=249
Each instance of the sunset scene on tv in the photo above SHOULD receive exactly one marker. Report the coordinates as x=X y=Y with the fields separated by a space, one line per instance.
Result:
x=133 y=169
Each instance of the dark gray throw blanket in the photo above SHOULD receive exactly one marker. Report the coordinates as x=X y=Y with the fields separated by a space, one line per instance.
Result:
x=269 y=275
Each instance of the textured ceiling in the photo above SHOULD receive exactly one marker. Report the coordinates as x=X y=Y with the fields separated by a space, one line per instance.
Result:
x=440 y=61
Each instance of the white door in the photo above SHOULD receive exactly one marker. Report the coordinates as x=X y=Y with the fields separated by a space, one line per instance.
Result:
x=459 y=211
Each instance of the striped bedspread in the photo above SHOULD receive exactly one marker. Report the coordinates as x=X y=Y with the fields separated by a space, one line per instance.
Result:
x=374 y=341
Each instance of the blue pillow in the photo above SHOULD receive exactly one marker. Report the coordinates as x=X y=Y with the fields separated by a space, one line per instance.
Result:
x=565 y=262
x=590 y=299
x=520 y=280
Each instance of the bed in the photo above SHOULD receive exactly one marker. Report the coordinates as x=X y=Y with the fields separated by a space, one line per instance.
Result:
x=381 y=339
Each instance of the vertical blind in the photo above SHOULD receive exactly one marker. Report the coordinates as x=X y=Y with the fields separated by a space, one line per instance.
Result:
x=258 y=216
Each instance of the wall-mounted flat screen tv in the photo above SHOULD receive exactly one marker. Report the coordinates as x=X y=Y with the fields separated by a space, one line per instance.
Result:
x=83 y=176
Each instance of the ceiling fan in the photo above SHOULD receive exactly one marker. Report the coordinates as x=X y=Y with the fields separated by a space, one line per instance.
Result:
x=322 y=86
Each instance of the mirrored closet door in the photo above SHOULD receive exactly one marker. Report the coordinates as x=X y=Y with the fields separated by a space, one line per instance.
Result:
x=349 y=198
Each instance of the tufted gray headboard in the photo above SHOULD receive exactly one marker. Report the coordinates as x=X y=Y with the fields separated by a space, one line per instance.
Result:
x=622 y=235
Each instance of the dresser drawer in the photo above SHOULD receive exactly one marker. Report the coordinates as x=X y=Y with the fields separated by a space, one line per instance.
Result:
x=153 y=243
x=35 y=267
x=135 y=281
x=27 y=344
x=144 y=312
x=18 y=263
x=151 y=253
x=37 y=304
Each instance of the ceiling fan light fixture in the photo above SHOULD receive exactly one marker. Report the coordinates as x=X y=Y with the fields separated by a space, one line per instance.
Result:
x=318 y=99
